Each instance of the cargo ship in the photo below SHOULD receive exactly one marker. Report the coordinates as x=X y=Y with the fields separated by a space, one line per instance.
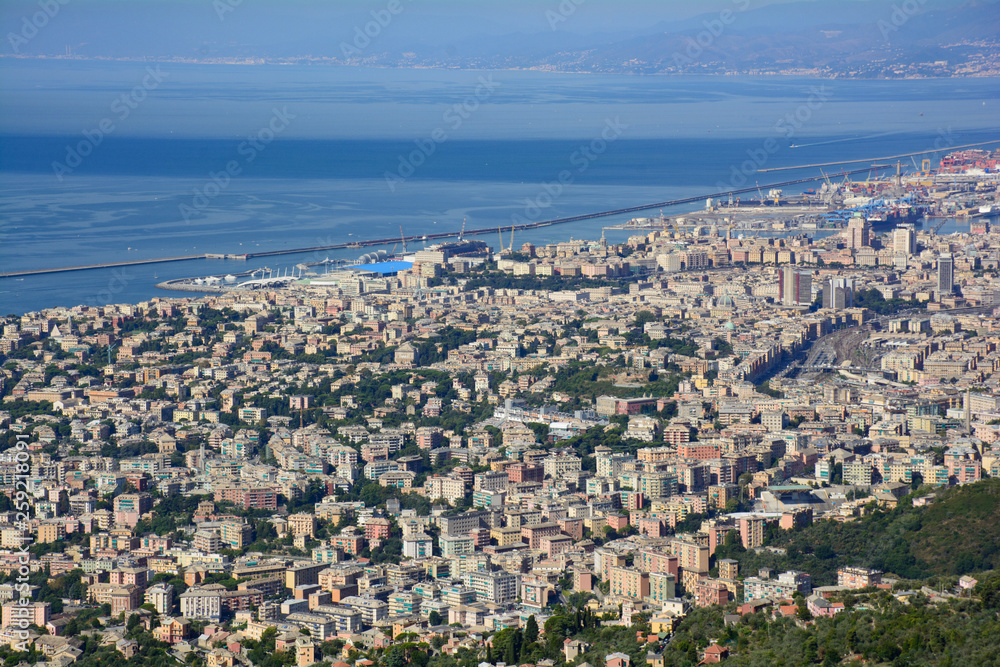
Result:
x=891 y=217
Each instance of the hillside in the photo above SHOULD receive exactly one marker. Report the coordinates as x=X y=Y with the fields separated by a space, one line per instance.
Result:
x=956 y=534
x=852 y=38
x=878 y=630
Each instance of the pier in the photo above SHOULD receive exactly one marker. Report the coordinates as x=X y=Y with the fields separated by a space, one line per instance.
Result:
x=424 y=237
x=105 y=265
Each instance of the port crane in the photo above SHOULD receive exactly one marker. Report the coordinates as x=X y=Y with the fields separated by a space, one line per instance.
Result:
x=833 y=196
x=402 y=238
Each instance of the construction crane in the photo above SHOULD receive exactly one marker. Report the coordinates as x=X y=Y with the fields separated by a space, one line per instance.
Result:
x=301 y=411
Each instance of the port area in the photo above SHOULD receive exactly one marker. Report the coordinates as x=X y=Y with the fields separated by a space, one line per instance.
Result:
x=739 y=219
x=250 y=280
x=206 y=284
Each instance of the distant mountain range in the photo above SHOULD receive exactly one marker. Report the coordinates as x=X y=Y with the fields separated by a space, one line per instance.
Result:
x=859 y=38
x=875 y=38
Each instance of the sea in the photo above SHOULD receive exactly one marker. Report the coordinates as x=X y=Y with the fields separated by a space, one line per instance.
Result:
x=105 y=161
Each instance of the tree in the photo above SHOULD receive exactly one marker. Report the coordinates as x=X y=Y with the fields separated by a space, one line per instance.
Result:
x=642 y=317
x=133 y=623
x=802 y=611
x=434 y=618
x=531 y=630
x=508 y=644
x=395 y=657
x=989 y=592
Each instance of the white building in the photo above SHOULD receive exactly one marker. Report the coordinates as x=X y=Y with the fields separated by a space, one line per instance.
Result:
x=496 y=587
x=419 y=545
x=161 y=596
x=198 y=603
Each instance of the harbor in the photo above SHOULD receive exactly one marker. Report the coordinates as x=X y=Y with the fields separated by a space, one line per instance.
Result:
x=413 y=237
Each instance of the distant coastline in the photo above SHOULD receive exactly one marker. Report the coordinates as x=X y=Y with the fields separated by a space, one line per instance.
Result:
x=813 y=73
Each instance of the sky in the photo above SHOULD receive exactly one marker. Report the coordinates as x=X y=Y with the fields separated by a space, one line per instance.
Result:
x=125 y=28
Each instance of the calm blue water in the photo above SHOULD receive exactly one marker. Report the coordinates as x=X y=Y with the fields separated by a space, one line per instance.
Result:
x=308 y=149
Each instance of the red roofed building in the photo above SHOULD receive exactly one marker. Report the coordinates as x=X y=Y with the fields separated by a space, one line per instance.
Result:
x=715 y=654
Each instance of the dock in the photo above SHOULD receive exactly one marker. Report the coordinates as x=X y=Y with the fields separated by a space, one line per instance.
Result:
x=422 y=237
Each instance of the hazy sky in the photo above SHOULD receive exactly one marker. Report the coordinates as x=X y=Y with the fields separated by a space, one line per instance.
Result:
x=297 y=27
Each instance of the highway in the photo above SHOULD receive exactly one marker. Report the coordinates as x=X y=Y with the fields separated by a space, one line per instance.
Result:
x=428 y=237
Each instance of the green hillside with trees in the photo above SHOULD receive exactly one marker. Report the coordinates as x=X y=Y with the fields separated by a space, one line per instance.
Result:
x=956 y=534
x=876 y=630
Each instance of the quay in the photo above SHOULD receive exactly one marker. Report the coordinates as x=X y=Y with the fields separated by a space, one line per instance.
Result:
x=423 y=237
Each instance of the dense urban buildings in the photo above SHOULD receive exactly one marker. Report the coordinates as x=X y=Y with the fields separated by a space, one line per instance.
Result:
x=472 y=439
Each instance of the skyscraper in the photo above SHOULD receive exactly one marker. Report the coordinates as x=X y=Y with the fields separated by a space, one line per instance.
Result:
x=946 y=274
x=904 y=240
x=794 y=287
x=858 y=233
x=838 y=293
